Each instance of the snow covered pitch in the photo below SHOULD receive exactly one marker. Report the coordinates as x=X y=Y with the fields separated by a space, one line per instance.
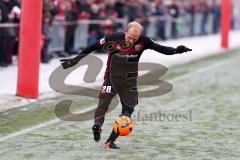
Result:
x=206 y=92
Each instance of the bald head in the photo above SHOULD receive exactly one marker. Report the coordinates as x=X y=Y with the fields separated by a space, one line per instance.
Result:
x=137 y=27
x=133 y=32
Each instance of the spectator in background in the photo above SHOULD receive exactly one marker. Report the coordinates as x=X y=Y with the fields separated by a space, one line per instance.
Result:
x=45 y=57
x=216 y=16
x=204 y=9
x=143 y=15
x=234 y=16
x=174 y=13
x=120 y=9
x=12 y=9
x=3 y=19
x=159 y=10
x=192 y=12
x=71 y=17
x=138 y=10
x=108 y=12
x=58 y=10
x=132 y=6
x=47 y=7
x=82 y=7
x=94 y=28
x=17 y=12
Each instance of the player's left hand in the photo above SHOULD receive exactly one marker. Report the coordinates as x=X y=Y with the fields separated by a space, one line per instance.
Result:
x=182 y=49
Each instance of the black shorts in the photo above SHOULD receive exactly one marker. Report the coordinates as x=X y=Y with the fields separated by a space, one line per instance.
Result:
x=127 y=90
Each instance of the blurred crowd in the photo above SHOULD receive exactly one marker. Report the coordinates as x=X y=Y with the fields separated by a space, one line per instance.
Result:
x=9 y=13
x=116 y=12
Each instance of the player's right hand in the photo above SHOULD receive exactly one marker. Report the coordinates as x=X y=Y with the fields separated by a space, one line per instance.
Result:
x=181 y=49
x=67 y=63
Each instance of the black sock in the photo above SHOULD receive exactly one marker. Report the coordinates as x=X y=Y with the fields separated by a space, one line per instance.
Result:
x=113 y=136
x=98 y=124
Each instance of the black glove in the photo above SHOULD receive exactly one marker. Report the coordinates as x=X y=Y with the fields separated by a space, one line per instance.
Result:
x=67 y=63
x=182 y=49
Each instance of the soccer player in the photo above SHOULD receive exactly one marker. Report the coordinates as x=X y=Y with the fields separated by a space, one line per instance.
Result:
x=124 y=51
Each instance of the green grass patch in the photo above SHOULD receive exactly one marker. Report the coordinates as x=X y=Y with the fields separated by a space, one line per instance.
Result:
x=27 y=116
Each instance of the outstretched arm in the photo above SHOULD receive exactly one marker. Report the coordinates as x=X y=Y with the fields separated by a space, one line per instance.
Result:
x=67 y=63
x=150 y=44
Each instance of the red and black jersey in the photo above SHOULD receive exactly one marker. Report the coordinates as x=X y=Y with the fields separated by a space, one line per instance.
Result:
x=124 y=55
